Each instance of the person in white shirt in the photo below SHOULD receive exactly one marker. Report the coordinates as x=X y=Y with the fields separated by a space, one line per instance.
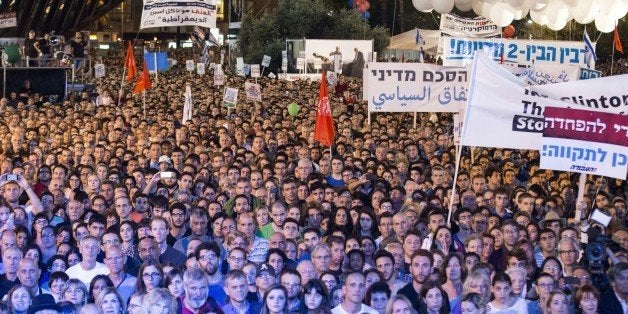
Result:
x=354 y=290
x=88 y=268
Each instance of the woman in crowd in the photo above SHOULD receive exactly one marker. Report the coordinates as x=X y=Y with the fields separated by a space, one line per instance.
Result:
x=586 y=300
x=275 y=300
x=557 y=303
x=135 y=303
x=478 y=281
x=127 y=234
x=454 y=274
x=174 y=282
x=110 y=301
x=99 y=282
x=399 y=304
x=19 y=298
x=504 y=300
x=435 y=298
x=552 y=266
x=518 y=277
x=150 y=277
x=159 y=301
x=473 y=303
x=316 y=297
x=74 y=291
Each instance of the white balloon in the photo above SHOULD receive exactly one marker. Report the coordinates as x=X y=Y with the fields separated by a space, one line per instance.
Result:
x=612 y=7
x=605 y=23
x=501 y=14
x=557 y=26
x=464 y=7
x=556 y=12
x=586 y=11
x=422 y=5
x=443 y=6
x=521 y=13
x=477 y=7
x=539 y=17
x=486 y=9
x=537 y=4
x=570 y=3
x=515 y=3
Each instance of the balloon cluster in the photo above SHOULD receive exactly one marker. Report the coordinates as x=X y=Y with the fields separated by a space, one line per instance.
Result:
x=362 y=6
x=553 y=13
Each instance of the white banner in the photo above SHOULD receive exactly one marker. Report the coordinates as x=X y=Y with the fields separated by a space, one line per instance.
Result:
x=547 y=73
x=608 y=94
x=415 y=87
x=456 y=26
x=99 y=70
x=501 y=113
x=460 y=51
x=164 y=13
x=240 y=66
x=255 y=71
x=231 y=97
x=253 y=91
x=187 y=105
x=8 y=20
x=585 y=157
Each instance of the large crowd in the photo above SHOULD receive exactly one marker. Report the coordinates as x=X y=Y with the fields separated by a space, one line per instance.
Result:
x=111 y=204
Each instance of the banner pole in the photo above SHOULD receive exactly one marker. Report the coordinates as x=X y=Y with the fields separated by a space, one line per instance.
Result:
x=144 y=103
x=156 y=70
x=122 y=80
x=453 y=185
x=581 y=187
x=414 y=120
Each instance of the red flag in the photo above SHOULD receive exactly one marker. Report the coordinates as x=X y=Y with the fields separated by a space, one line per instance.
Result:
x=617 y=41
x=129 y=63
x=324 y=128
x=143 y=83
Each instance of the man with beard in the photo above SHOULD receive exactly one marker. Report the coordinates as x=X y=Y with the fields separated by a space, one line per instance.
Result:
x=421 y=268
x=13 y=190
x=385 y=263
x=208 y=256
x=197 y=297
x=178 y=229
x=199 y=228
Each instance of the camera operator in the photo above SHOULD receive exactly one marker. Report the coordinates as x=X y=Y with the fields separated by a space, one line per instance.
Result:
x=616 y=300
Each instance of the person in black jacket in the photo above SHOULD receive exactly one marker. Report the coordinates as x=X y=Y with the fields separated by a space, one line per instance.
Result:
x=616 y=299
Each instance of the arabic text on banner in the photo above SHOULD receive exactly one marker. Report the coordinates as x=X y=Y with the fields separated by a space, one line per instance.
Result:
x=548 y=73
x=460 y=51
x=502 y=113
x=415 y=87
x=164 y=13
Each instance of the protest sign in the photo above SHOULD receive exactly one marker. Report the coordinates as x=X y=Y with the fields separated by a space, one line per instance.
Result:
x=585 y=141
x=255 y=71
x=253 y=91
x=200 y=68
x=586 y=74
x=189 y=65
x=8 y=19
x=300 y=63
x=99 y=70
x=230 y=97
x=415 y=87
x=219 y=77
x=502 y=113
x=163 y=13
x=456 y=26
x=266 y=61
x=460 y=51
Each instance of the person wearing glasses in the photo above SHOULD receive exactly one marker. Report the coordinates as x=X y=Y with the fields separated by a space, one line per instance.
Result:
x=151 y=276
x=88 y=268
x=209 y=259
x=568 y=254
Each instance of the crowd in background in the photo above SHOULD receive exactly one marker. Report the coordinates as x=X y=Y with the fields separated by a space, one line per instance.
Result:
x=121 y=207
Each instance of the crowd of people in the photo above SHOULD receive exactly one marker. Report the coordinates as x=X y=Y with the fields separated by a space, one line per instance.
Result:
x=111 y=204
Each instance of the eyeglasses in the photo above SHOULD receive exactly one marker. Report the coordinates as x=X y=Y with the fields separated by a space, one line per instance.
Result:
x=208 y=257
x=151 y=276
x=546 y=286
x=568 y=252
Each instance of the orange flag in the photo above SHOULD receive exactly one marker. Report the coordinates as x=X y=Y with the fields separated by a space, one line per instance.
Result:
x=324 y=128
x=129 y=63
x=143 y=83
x=617 y=41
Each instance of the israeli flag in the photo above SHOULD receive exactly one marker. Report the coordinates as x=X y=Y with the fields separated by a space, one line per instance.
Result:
x=589 y=50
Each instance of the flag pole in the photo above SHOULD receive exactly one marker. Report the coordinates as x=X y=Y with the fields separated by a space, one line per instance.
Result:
x=613 y=53
x=453 y=185
x=144 y=103
x=122 y=80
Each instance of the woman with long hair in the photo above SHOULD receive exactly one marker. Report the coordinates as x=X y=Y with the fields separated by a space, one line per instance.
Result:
x=557 y=303
x=473 y=303
x=19 y=299
x=150 y=277
x=275 y=300
x=478 y=281
x=399 y=304
x=316 y=297
x=98 y=283
x=435 y=298
x=174 y=282
x=504 y=300
x=127 y=234
x=159 y=301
